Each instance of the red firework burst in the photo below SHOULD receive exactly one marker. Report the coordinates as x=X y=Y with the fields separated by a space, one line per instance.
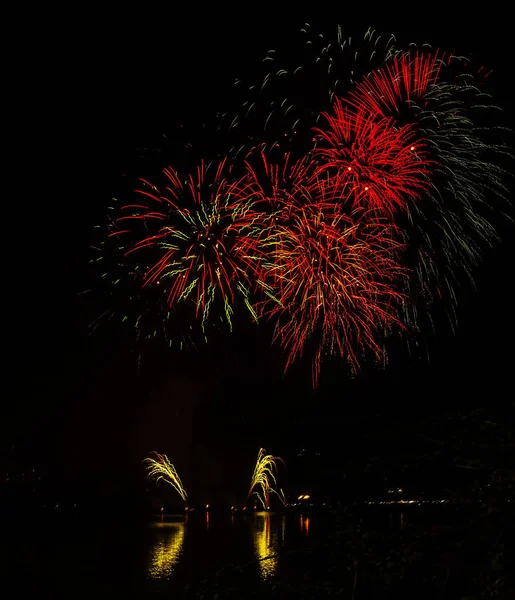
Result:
x=338 y=276
x=201 y=240
x=370 y=162
x=405 y=78
x=280 y=191
x=276 y=189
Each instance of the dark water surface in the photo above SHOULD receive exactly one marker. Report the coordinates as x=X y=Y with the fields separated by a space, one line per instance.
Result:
x=172 y=555
x=256 y=555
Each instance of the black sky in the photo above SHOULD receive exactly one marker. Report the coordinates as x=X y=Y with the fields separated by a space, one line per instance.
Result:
x=92 y=96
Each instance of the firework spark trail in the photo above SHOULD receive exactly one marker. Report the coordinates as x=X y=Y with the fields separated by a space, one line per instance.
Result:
x=370 y=162
x=440 y=100
x=274 y=186
x=279 y=193
x=204 y=241
x=264 y=477
x=447 y=232
x=160 y=468
x=144 y=321
x=338 y=275
x=280 y=111
x=398 y=161
x=403 y=82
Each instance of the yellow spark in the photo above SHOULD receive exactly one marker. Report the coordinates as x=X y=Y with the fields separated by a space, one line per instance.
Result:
x=161 y=468
x=264 y=477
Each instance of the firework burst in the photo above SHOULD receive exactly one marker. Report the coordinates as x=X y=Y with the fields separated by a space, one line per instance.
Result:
x=450 y=187
x=200 y=242
x=159 y=468
x=264 y=478
x=350 y=158
x=447 y=232
x=335 y=276
x=371 y=162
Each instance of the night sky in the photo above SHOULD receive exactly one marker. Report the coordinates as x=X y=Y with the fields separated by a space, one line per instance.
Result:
x=97 y=100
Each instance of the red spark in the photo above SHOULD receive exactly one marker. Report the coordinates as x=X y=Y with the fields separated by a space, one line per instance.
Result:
x=201 y=239
x=338 y=276
x=276 y=189
x=405 y=78
x=371 y=162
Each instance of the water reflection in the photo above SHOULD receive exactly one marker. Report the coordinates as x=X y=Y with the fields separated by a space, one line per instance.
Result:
x=166 y=549
x=304 y=524
x=266 y=543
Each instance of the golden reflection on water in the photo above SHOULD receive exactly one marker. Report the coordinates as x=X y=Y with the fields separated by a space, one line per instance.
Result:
x=167 y=548
x=266 y=543
x=304 y=524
